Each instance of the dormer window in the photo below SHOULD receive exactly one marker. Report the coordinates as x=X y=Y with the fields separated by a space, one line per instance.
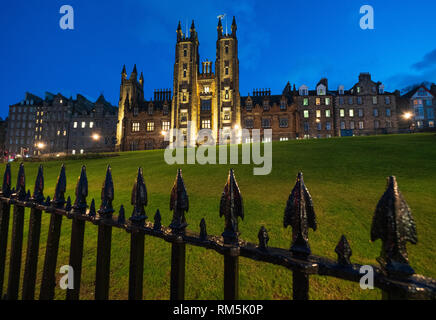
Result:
x=266 y=105
x=303 y=90
x=283 y=105
x=150 y=110
x=321 y=90
x=206 y=89
x=249 y=105
x=381 y=89
x=358 y=89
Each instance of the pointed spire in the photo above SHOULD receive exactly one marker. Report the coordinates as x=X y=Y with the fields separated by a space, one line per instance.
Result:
x=61 y=186
x=80 y=204
x=107 y=195
x=220 y=28
x=47 y=201
x=300 y=215
x=231 y=207
x=179 y=31
x=192 y=25
x=393 y=223
x=203 y=230
x=263 y=238
x=38 y=192
x=92 y=212
x=141 y=79
x=234 y=27
x=134 y=73
x=179 y=204
x=121 y=216
x=139 y=199
x=20 y=190
x=68 y=205
x=6 y=187
x=157 y=220
x=343 y=251
x=124 y=73
x=179 y=26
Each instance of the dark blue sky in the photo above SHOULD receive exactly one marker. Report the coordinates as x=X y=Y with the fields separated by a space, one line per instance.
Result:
x=279 y=41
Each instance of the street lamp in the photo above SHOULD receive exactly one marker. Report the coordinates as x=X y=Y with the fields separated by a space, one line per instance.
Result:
x=408 y=116
x=95 y=137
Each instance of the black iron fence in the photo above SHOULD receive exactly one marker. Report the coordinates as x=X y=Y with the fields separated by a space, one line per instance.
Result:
x=392 y=223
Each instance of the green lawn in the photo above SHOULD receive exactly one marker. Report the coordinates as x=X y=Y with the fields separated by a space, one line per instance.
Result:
x=346 y=177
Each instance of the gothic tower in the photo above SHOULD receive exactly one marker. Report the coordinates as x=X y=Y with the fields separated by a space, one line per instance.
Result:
x=131 y=94
x=186 y=68
x=227 y=79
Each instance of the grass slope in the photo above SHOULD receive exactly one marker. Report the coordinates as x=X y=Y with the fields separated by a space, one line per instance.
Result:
x=345 y=176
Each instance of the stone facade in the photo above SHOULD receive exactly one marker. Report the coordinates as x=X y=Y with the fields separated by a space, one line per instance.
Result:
x=419 y=104
x=211 y=100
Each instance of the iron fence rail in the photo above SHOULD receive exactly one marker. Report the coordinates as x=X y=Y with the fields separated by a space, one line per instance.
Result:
x=392 y=223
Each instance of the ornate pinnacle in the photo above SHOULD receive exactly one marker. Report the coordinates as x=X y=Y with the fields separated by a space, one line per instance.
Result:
x=179 y=204
x=393 y=223
x=300 y=215
x=6 y=187
x=203 y=230
x=107 y=195
x=139 y=199
x=80 y=204
x=231 y=207
x=38 y=192
x=92 y=212
x=121 y=216
x=20 y=191
x=157 y=220
x=263 y=238
x=61 y=186
x=344 y=252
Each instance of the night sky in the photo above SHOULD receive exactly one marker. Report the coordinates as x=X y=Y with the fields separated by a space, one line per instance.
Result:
x=279 y=41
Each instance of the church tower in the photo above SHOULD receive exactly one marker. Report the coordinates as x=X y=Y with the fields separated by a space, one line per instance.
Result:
x=131 y=95
x=227 y=79
x=186 y=68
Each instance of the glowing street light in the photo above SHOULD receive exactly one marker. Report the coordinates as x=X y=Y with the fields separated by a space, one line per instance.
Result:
x=163 y=133
x=407 y=115
x=95 y=137
x=40 y=145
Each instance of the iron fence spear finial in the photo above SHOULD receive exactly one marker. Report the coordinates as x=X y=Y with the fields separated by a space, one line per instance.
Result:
x=263 y=238
x=61 y=186
x=179 y=204
x=203 y=230
x=157 y=220
x=38 y=192
x=300 y=215
x=20 y=191
x=231 y=207
x=393 y=223
x=343 y=251
x=139 y=199
x=6 y=187
x=107 y=195
x=80 y=204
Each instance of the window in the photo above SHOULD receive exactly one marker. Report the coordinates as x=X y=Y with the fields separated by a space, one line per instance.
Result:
x=350 y=100
x=352 y=125
x=227 y=115
x=135 y=111
x=135 y=127
x=283 y=105
x=184 y=96
x=305 y=101
x=226 y=71
x=388 y=112
x=150 y=126
x=226 y=94
x=328 y=113
x=59 y=133
x=319 y=126
x=166 y=125
x=328 y=126
x=342 y=125
x=91 y=125
x=83 y=124
x=205 y=124
x=249 y=123
x=318 y=101
x=360 y=112
x=428 y=102
x=306 y=113
x=431 y=123
x=249 y=105
x=81 y=151
x=342 y=113
x=341 y=100
x=359 y=100
x=327 y=101
x=374 y=100
x=227 y=49
x=65 y=133
x=375 y=112
x=266 y=105
x=185 y=52
x=183 y=116
x=351 y=112
x=388 y=100
x=318 y=113
x=360 y=124
x=185 y=68
x=266 y=123
x=430 y=113
x=150 y=109
x=306 y=126
x=283 y=123
x=73 y=152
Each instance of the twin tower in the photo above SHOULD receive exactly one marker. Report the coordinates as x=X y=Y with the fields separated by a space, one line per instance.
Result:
x=206 y=99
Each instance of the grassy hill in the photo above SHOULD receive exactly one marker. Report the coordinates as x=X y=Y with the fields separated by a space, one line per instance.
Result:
x=346 y=177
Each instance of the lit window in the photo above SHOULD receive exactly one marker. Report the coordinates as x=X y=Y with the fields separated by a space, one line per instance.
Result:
x=306 y=113
x=318 y=113
x=59 y=132
x=342 y=113
x=360 y=124
x=135 y=127
x=431 y=123
x=388 y=112
x=351 y=112
x=73 y=151
x=150 y=126
x=65 y=133
x=374 y=100
x=305 y=102
x=165 y=125
x=328 y=113
x=75 y=124
x=206 y=89
x=327 y=101
x=205 y=124
x=81 y=151
x=83 y=124
x=91 y=124
x=318 y=101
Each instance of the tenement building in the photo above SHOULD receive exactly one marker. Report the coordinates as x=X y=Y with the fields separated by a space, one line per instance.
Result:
x=208 y=97
x=418 y=108
x=60 y=125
